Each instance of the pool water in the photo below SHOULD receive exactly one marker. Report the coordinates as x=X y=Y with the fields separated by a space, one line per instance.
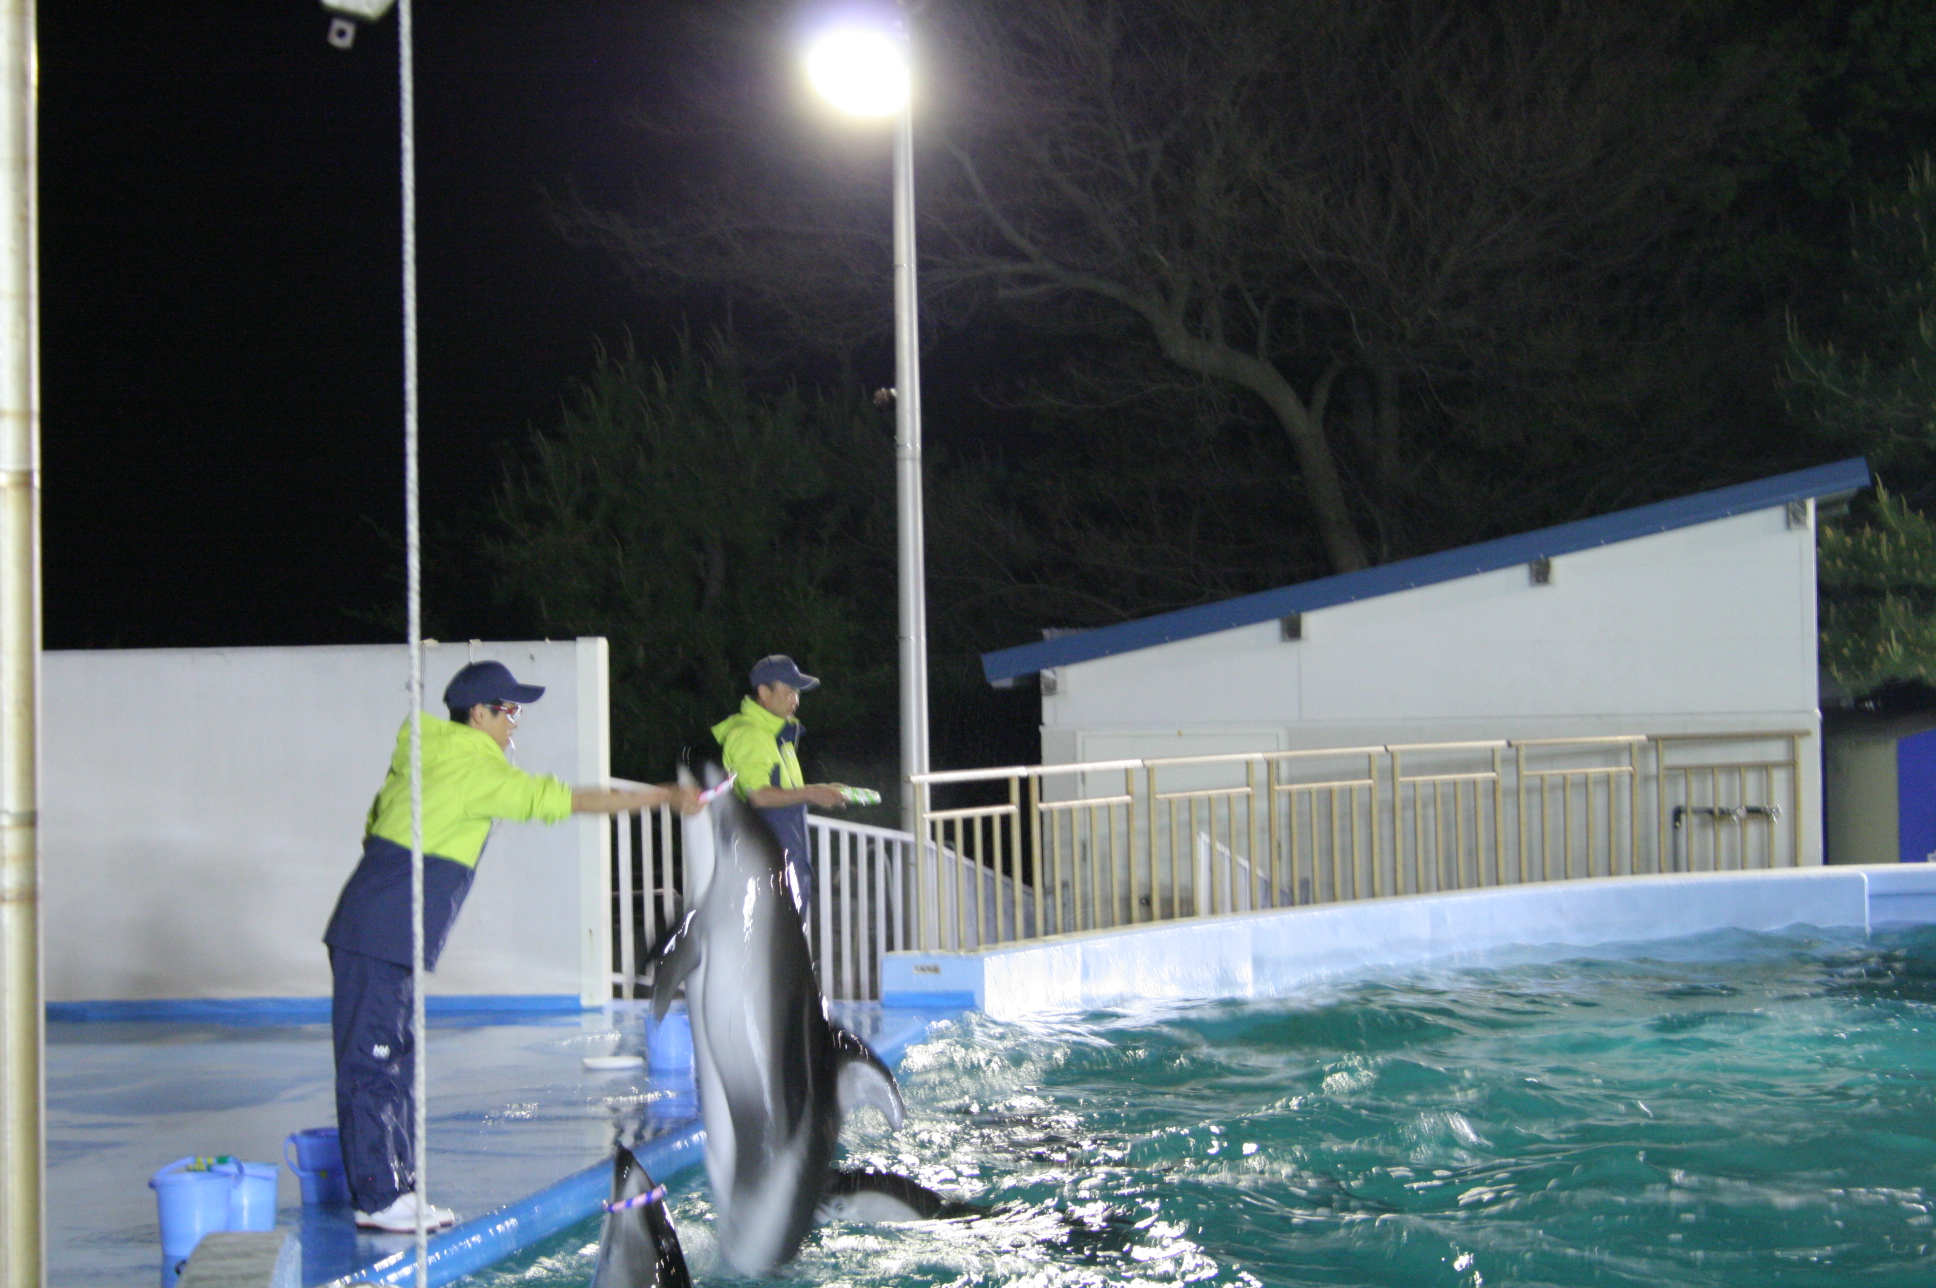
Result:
x=1732 y=1109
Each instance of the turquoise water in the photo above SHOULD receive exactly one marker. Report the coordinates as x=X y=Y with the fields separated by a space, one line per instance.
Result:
x=1734 y=1109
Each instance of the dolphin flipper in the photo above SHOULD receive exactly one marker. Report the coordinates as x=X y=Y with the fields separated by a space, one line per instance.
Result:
x=861 y=1079
x=672 y=960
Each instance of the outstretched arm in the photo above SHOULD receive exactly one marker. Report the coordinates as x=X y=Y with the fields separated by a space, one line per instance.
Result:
x=618 y=800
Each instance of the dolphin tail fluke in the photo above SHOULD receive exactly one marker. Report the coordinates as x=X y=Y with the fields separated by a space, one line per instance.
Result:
x=672 y=960
x=861 y=1079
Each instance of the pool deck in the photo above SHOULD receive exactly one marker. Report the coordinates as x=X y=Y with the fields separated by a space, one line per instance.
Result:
x=520 y=1132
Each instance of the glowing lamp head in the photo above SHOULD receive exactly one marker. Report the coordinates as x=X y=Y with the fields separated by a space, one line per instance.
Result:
x=861 y=72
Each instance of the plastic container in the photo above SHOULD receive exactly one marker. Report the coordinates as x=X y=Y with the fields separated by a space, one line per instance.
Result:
x=668 y=1043
x=252 y=1194
x=192 y=1200
x=316 y=1157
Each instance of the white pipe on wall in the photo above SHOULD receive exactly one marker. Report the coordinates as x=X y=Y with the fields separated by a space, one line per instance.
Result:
x=22 y=1220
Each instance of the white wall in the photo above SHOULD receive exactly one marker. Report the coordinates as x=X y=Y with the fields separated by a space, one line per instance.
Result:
x=1705 y=629
x=201 y=809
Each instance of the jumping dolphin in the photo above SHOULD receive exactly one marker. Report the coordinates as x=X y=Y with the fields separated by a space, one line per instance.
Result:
x=774 y=1077
x=638 y=1248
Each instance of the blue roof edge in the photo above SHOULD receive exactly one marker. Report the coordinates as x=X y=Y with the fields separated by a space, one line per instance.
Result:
x=1426 y=570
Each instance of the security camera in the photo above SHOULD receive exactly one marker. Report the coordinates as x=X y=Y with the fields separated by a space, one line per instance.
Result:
x=342 y=31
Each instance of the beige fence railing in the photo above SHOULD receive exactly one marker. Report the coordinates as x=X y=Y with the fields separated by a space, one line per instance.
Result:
x=1062 y=848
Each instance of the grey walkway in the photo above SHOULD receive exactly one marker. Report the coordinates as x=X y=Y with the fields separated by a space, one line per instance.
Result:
x=512 y=1109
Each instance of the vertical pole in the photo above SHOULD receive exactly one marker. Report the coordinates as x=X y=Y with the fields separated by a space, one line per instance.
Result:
x=622 y=854
x=911 y=541
x=23 y=1224
x=1633 y=808
x=1498 y=820
x=1795 y=792
x=1015 y=852
x=924 y=890
x=413 y=554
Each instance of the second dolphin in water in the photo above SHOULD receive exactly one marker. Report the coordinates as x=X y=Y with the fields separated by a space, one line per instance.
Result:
x=775 y=1078
x=638 y=1248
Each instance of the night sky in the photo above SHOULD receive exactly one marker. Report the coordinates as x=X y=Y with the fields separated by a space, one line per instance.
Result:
x=221 y=298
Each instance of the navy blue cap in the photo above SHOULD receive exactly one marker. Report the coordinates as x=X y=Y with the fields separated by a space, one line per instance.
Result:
x=488 y=682
x=779 y=669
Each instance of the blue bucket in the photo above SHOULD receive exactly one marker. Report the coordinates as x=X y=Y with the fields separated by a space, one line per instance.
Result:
x=252 y=1195
x=192 y=1200
x=316 y=1157
x=668 y=1043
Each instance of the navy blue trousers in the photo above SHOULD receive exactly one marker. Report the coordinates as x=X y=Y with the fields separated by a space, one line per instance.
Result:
x=370 y=1009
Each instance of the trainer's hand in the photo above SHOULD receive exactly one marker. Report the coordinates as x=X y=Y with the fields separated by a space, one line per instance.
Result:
x=826 y=795
x=682 y=798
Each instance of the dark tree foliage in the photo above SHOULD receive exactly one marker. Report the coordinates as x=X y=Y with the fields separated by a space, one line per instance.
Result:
x=700 y=526
x=1873 y=390
x=1872 y=385
x=1877 y=573
x=1448 y=251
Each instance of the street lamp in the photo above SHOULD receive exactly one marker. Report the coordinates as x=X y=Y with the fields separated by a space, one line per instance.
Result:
x=863 y=70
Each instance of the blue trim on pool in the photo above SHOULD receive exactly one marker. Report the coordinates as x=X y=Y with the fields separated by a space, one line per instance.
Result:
x=1406 y=574
x=951 y=1001
x=301 y=1010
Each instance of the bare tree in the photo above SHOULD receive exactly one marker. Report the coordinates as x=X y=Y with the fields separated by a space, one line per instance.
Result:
x=1272 y=193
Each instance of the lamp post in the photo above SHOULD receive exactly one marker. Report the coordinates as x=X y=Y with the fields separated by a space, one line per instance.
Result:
x=864 y=71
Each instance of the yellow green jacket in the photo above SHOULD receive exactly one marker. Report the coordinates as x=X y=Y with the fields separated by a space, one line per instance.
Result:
x=467 y=783
x=759 y=747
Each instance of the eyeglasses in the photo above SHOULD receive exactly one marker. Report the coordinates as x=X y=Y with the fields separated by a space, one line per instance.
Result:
x=509 y=710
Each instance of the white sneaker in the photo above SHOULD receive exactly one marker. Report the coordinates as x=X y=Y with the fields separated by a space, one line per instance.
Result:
x=401 y=1217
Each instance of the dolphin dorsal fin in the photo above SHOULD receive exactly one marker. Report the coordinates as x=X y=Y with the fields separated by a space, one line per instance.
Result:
x=861 y=1079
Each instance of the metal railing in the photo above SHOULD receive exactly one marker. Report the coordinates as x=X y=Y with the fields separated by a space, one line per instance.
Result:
x=861 y=909
x=1043 y=850
x=1064 y=848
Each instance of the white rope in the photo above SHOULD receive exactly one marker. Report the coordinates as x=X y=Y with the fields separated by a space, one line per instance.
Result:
x=413 y=573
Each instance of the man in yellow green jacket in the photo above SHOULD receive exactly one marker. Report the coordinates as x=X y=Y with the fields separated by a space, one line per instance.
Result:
x=760 y=745
x=467 y=784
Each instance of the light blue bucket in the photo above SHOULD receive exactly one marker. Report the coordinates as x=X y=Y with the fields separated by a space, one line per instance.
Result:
x=668 y=1043
x=316 y=1157
x=252 y=1195
x=192 y=1200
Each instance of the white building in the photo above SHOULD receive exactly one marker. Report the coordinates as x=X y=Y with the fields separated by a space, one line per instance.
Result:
x=1689 y=616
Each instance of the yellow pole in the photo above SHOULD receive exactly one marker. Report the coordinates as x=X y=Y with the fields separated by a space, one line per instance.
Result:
x=22 y=1149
